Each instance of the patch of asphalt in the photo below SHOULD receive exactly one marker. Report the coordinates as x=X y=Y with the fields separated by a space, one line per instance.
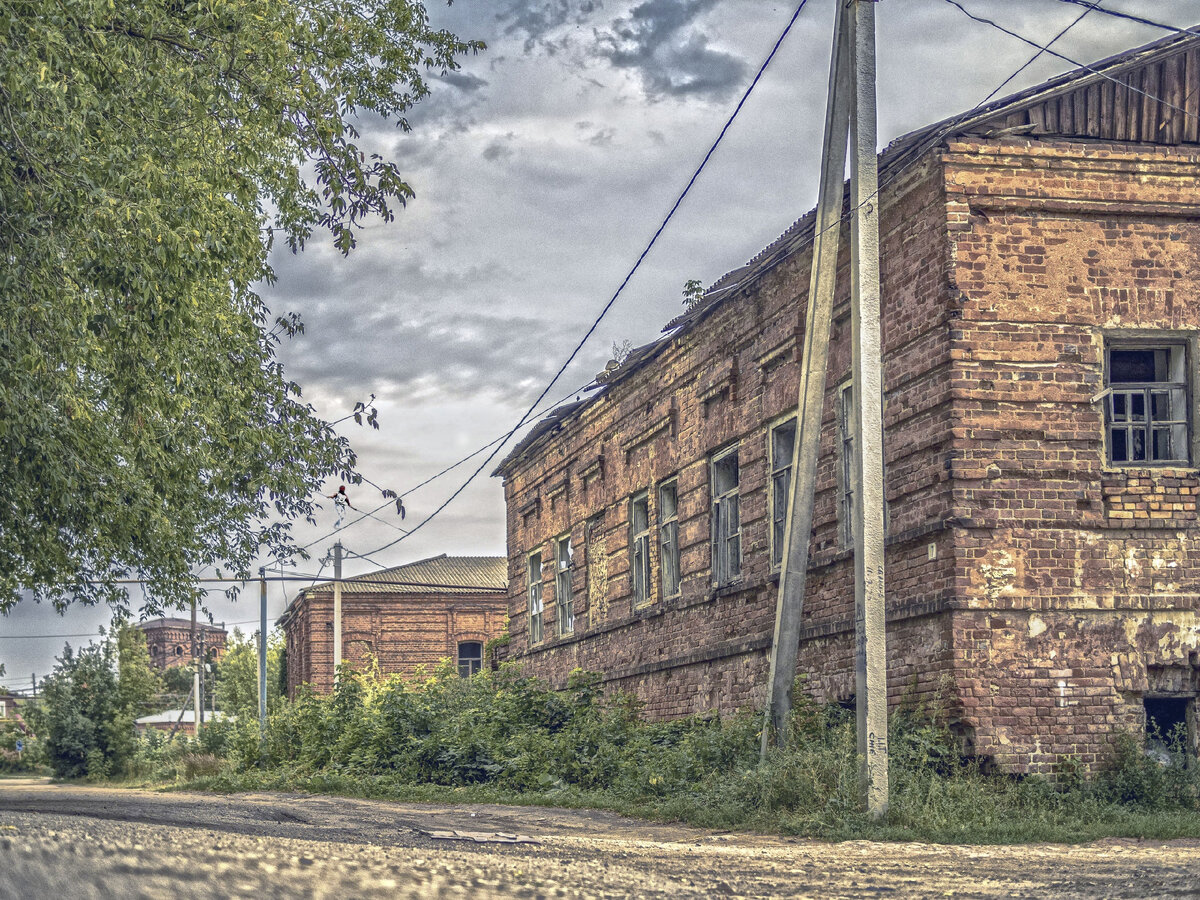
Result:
x=384 y=852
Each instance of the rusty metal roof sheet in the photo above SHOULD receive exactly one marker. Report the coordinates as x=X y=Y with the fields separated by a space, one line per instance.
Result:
x=436 y=575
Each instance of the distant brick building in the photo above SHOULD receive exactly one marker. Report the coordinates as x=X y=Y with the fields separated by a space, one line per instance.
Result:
x=170 y=641
x=418 y=614
x=1041 y=276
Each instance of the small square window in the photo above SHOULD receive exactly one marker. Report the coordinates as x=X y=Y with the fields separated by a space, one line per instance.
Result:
x=1147 y=409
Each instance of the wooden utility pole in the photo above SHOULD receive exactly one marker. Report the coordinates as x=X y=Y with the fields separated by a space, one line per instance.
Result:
x=870 y=670
x=850 y=112
x=337 y=609
x=262 y=652
x=806 y=448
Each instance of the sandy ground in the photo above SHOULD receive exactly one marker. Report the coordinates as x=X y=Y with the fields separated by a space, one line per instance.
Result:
x=65 y=842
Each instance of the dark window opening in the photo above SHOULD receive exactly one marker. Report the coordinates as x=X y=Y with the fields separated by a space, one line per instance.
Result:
x=1166 y=726
x=470 y=658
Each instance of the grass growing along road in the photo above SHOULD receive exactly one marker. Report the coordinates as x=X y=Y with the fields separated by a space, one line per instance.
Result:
x=500 y=737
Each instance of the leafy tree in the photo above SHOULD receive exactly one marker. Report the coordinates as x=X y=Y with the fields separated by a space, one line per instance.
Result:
x=86 y=713
x=237 y=678
x=149 y=154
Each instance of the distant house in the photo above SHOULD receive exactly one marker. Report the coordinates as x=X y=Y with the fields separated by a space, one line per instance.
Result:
x=176 y=721
x=170 y=641
x=9 y=706
x=404 y=617
x=1041 y=330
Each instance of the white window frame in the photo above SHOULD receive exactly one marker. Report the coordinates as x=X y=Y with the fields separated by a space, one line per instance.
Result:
x=847 y=471
x=564 y=605
x=639 y=550
x=670 y=578
x=780 y=487
x=1121 y=400
x=536 y=604
x=726 y=518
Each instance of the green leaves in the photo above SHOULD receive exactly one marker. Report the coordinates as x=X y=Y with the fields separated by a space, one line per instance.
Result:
x=148 y=152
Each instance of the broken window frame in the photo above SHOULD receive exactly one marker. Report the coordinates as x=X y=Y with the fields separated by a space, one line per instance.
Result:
x=536 y=604
x=473 y=663
x=1121 y=397
x=564 y=604
x=847 y=473
x=726 y=517
x=639 y=549
x=780 y=487
x=668 y=538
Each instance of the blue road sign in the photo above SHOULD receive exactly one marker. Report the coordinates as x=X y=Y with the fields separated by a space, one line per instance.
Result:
x=20 y=746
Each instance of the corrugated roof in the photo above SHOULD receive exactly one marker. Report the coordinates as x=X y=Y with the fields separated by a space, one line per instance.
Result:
x=436 y=575
x=178 y=623
x=1020 y=113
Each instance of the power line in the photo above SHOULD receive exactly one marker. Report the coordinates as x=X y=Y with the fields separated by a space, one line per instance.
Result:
x=1091 y=6
x=417 y=487
x=1119 y=14
x=620 y=288
x=1136 y=90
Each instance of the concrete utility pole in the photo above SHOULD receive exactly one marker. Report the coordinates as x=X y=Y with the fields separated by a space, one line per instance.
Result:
x=262 y=652
x=195 y=674
x=200 y=683
x=337 y=609
x=806 y=448
x=850 y=114
x=870 y=675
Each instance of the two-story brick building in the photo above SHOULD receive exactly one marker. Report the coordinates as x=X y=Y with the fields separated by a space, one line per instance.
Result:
x=1041 y=276
x=169 y=641
x=403 y=618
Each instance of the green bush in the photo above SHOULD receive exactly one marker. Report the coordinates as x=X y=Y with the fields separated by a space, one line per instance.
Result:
x=500 y=736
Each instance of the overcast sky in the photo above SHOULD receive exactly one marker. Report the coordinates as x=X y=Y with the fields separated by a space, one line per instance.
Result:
x=541 y=169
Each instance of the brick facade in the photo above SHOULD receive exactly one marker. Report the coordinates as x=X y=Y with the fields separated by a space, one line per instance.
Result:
x=403 y=618
x=170 y=641
x=1047 y=589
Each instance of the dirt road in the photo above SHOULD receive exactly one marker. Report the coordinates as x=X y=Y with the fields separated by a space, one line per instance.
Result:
x=65 y=842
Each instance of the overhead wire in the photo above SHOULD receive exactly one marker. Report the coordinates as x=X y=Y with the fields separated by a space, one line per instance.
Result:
x=1099 y=72
x=429 y=480
x=620 y=288
x=1141 y=20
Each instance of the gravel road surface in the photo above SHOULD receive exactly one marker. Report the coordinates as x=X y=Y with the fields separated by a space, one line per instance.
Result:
x=67 y=842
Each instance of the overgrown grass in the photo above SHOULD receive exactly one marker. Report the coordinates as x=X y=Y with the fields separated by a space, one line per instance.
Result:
x=503 y=738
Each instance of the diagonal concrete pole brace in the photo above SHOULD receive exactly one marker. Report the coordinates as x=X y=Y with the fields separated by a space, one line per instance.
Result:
x=806 y=448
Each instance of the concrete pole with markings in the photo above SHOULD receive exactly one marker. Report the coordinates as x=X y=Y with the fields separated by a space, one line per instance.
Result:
x=337 y=609
x=815 y=359
x=868 y=518
x=262 y=651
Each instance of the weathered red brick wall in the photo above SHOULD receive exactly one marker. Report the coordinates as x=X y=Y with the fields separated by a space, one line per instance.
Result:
x=1077 y=580
x=163 y=639
x=1048 y=592
x=724 y=382
x=403 y=633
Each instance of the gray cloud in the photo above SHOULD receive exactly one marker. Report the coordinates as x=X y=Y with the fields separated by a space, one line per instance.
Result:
x=658 y=42
x=464 y=81
x=537 y=20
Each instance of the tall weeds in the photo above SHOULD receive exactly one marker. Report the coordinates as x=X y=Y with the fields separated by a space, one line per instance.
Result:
x=502 y=736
